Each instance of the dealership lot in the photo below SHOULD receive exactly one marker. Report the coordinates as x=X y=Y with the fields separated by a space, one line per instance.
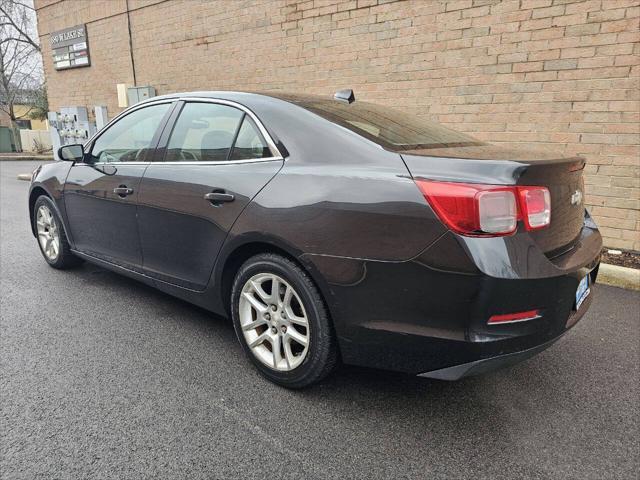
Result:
x=103 y=377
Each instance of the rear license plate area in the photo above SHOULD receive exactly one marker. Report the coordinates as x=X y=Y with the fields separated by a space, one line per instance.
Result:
x=582 y=292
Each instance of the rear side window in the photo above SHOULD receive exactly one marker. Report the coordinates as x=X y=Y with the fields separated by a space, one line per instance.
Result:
x=204 y=132
x=249 y=143
x=390 y=128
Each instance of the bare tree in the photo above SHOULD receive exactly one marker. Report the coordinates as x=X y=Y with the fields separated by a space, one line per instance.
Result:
x=20 y=61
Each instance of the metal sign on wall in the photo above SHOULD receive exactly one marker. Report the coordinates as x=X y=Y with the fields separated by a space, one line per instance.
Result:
x=70 y=48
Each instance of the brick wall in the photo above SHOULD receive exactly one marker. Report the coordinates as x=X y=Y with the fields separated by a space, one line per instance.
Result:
x=561 y=74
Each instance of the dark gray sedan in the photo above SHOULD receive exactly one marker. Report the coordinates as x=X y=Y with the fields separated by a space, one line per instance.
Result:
x=329 y=230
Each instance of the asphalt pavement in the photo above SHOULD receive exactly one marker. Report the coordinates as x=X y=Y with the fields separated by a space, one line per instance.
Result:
x=102 y=377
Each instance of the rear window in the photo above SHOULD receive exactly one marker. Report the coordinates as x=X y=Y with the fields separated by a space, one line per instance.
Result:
x=390 y=128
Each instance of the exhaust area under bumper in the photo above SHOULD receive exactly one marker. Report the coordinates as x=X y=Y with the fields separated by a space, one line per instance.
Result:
x=485 y=365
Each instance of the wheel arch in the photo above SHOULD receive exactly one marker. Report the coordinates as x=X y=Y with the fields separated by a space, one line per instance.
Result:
x=36 y=192
x=239 y=253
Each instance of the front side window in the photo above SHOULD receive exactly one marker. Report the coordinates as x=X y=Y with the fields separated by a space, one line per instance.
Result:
x=128 y=138
x=204 y=132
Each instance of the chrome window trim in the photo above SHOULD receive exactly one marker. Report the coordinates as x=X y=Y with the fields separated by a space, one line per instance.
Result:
x=102 y=164
x=276 y=155
x=221 y=162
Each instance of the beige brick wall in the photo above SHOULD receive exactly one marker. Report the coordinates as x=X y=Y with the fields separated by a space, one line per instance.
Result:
x=561 y=74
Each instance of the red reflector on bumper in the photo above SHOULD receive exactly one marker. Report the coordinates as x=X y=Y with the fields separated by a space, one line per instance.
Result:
x=515 y=317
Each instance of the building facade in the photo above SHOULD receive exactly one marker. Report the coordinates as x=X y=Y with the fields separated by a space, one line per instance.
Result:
x=558 y=74
x=23 y=119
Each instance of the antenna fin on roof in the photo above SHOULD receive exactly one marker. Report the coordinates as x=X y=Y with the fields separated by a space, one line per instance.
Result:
x=345 y=95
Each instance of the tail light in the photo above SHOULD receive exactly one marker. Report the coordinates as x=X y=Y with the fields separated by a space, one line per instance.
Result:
x=487 y=210
x=535 y=203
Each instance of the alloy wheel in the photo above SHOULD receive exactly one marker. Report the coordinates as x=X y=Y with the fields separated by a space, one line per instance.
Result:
x=274 y=322
x=48 y=233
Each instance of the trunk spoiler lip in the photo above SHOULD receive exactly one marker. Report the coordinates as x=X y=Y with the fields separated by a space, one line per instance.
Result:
x=577 y=160
x=488 y=171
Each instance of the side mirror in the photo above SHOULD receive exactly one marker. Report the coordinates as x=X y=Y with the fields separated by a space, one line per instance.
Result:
x=71 y=153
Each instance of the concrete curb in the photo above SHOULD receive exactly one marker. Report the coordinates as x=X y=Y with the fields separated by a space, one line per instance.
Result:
x=616 y=276
x=24 y=176
x=26 y=158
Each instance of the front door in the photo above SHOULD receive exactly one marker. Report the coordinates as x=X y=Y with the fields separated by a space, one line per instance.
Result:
x=214 y=162
x=101 y=193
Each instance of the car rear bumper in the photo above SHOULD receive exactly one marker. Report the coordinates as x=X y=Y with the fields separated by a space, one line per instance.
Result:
x=429 y=316
x=484 y=365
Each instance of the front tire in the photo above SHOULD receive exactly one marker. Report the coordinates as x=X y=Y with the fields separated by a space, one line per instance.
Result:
x=51 y=236
x=282 y=322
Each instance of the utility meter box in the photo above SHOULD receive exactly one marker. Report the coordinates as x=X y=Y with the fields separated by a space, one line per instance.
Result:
x=138 y=94
x=69 y=126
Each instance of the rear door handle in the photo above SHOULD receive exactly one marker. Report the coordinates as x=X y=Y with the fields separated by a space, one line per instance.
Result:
x=123 y=190
x=219 y=197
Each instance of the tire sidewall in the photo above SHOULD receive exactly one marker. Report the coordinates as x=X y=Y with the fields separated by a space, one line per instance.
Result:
x=316 y=316
x=44 y=200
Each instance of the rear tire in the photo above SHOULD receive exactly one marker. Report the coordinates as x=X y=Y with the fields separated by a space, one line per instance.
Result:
x=282 y=322
x=51 y=236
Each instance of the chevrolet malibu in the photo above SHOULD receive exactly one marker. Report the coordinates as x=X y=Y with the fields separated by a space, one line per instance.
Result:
x=329 y=230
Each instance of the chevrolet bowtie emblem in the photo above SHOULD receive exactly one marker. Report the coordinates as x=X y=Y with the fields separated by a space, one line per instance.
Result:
x=576 y=198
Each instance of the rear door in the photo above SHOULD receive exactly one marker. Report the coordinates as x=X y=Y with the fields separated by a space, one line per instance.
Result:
x=210 y=162
x=101 y=193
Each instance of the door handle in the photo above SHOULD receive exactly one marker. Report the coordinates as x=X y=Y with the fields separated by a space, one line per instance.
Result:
x=219 y=197
x=123 y=191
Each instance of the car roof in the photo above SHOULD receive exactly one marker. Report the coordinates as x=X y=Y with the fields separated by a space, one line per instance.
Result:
x=244 y=98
